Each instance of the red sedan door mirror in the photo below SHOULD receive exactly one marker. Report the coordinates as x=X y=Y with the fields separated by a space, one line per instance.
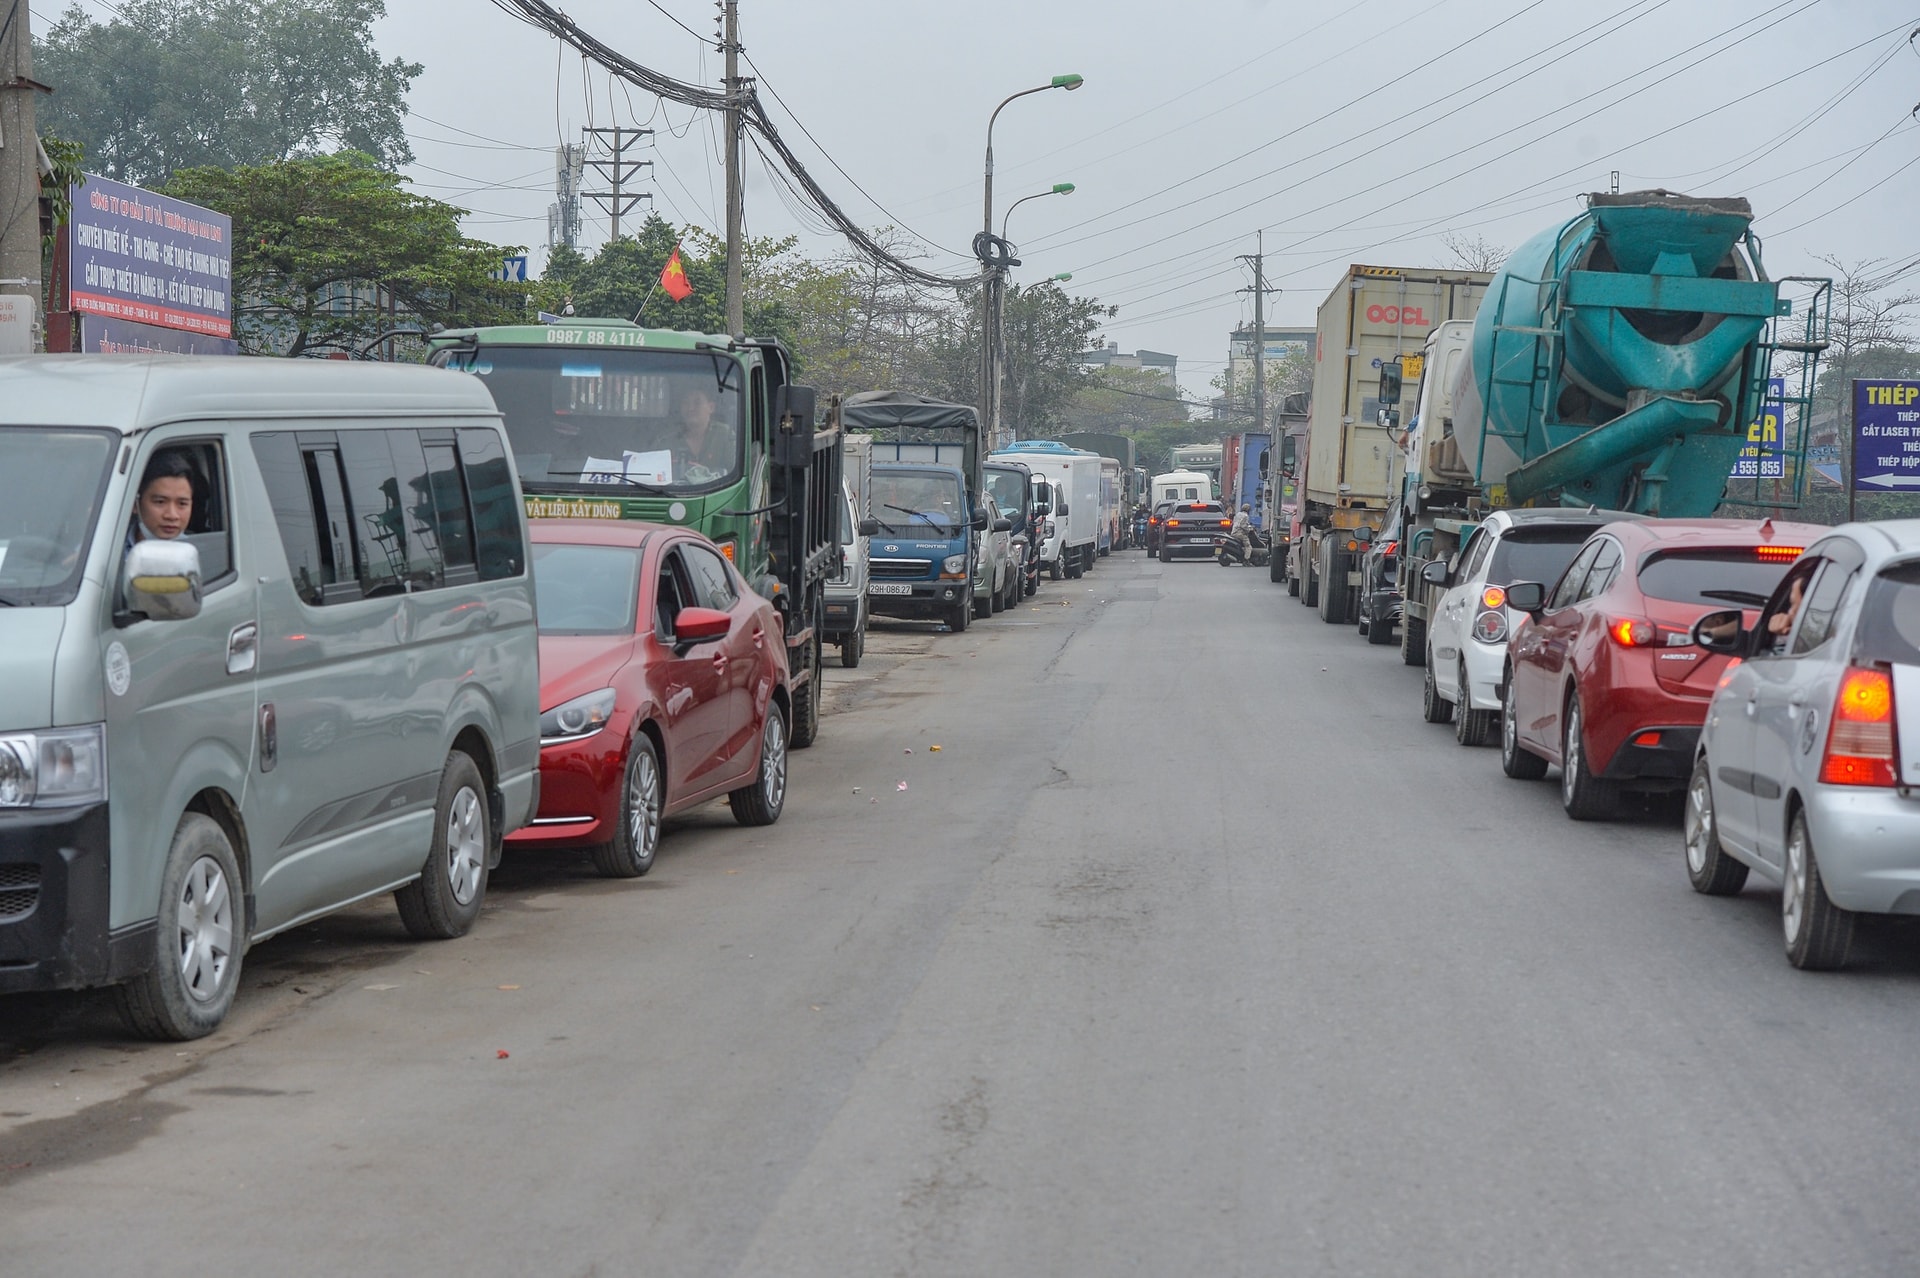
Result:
x=697 y=625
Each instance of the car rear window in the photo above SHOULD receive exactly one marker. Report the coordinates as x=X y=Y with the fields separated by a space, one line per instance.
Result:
x=1890 y=617
x=1536 y=554
x=585 y=590
x=1714 y=578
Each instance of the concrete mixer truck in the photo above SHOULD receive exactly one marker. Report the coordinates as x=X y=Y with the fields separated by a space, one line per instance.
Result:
x=1622 y=360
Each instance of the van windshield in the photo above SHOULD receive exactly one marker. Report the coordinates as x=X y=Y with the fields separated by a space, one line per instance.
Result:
x=55 y=478
x=924 y=500
x=1009 y=489
x=605 y=420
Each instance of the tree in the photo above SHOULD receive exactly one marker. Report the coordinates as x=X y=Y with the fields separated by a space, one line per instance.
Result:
x=1290 y=373
x=320 y=244
x=1123 y=401
x=1474 y=253
x=166 y=86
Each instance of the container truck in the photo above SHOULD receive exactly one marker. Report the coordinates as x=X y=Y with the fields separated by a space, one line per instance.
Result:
x=1616 y=362
x=1112 y=489
x=1073 y=480
x=1132 y=490
x=1244 y=466
x=1374 y=316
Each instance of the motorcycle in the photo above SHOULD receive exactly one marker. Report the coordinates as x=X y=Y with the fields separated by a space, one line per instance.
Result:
x=1227 y=553
x=1140 y=528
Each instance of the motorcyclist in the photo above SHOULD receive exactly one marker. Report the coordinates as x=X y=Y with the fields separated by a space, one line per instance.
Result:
x=1242 y=532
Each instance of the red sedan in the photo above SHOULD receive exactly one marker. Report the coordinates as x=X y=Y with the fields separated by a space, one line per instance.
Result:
x=1604 y=678
x=664 y=682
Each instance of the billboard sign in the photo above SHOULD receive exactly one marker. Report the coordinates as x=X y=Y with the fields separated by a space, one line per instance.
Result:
x=102 y=336
x=135 y=255
x=1765 y=455
x=1886 y=435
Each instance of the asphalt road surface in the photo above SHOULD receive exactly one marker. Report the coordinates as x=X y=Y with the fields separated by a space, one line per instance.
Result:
x=1190 y=951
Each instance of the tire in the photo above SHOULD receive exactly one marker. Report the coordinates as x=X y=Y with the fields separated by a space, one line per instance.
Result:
x=198 y=942
x=806 y=709
x=1277 y=570
x=1472 y=727
x=1053 y=569
x=1335 y=595
x=1711 y=871
x=1584 y=796
x=852 y=648
x=1380 y=634
x=1413 y=641
x=445 y=900
x=1309 y=581
x=1075 y=569
x=1293 y=585
x=959 y=615
x=1818 y=932
x=629 y=854
x=984 y=608
x=760 y=801
x=1434 y=708
x=1032 y=586
x=1363 y=624
x=1516 y=760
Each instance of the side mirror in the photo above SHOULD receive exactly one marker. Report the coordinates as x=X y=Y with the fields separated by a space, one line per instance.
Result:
x=1263 y=464
x=1528 y=596
x=1435 y=573
x=1390 y=383
x=163 y=580
x=1719 y=632
x=1063 y=510
x=793 y=407
x=698 y=625
x=1042 y=510
x=1003 y=525
x=869 y=527
x=980 y=518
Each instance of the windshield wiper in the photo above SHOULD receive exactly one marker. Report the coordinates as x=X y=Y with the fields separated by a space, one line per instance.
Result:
x=1746 y=597
x=608 y=477
x=908 y=510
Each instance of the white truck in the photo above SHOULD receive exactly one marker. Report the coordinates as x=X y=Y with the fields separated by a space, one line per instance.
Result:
x=846 y=593
x=1073 y=480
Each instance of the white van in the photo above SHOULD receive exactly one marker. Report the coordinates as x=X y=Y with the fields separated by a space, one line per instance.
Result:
x=267 y=649
x=1182 y=485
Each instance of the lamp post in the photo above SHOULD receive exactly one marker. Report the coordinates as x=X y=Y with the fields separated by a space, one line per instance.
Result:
x=997 y=386
x=1058 y=188
x=992 y=274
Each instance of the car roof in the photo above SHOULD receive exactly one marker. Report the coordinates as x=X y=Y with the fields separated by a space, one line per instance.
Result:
x=595 y=532
x=133 y=392
x=1527 y=515
x=1884 y=537
x=1664 y=534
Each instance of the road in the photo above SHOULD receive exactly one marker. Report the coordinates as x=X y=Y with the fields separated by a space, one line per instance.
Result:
x=1190 y=951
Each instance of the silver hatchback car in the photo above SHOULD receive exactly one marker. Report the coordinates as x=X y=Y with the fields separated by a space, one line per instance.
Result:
x=1805 y=770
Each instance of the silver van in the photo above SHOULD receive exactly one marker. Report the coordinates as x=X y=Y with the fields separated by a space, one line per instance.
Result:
x=267 y=648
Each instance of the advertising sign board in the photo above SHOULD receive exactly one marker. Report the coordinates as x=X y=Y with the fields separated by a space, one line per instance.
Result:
x=1886 y=435
x=1765 y=456
x=102 y=336
x=135 y=255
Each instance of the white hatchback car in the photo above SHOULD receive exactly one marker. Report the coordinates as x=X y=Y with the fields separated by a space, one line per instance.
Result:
x=1467 y=634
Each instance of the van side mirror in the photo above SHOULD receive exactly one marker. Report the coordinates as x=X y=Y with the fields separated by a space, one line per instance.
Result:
x=1720 y=632
x=869 y=527
x=1003 y=525
x=1528 y=596
x=162 y=580
x=980 y=518
x=1435 y=573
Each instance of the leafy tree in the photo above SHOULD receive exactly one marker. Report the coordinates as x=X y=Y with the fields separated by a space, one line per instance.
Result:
x=1123 y=401
x=318 y=243
x=1286 y=375
x=166 y=86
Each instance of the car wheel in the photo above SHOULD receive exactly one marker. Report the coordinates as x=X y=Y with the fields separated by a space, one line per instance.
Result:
x=199 y=938
x=1709 y=868
x=1516 y=760
x=445 y=900
x=1818 y=932
x=629 y=854
x=806 y=711
x=759 y=802
x=1363 y=623
x=1472 y=727
x=1380 y=632
x=1413 y=642
x=1434 y=708
x=852 y=648
x=1585 y=796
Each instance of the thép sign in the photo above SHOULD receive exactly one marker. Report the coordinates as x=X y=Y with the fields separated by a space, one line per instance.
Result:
x=1886 y=435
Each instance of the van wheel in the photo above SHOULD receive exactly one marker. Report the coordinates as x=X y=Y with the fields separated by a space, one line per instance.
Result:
x=1819 y=933
x=1516 y=760
x=806 y=711
x=445 y=900
x=1711 y=871
x=852 y=648
x=1585 y=796
x=629 y=854
x=759 y=801
x=198 y=940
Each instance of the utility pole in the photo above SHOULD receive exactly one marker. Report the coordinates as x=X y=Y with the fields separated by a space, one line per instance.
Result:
x=619 y=171
x=1259 y=292
x=20 y=167
x=736 y=209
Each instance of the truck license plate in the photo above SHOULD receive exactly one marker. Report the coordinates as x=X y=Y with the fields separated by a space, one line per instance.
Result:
x=889 y=588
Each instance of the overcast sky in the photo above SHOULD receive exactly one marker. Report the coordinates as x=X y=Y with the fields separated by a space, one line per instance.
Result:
x=1349 y=132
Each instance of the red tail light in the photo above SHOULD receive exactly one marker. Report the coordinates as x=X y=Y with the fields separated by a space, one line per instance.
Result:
x=1777 y=554
x=1151 y=523
x=1173 y=523
x=1632 y=634
x=1390 y=548
x=1860 y=742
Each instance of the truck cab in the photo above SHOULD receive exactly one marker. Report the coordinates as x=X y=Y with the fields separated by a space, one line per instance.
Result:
x=925 y=543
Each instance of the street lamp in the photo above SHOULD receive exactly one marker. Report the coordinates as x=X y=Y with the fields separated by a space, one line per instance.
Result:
x=1063 y=277
x=991 y=270
x=1059 y=188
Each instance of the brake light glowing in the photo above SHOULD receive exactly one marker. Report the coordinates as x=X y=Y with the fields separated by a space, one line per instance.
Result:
x=1493 y=597
x=1153 y=521
x=1632 y=634
x=1777 y=554
x=1860 y=741
x=1226 y=523
x=1173 y=523
x=1390 y=548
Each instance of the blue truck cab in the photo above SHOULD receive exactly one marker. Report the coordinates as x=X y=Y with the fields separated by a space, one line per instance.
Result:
x=920 y=562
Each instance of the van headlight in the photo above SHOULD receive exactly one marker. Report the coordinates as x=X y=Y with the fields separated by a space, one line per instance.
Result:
x=953 y=565
x=59 y=768
x=576 y=719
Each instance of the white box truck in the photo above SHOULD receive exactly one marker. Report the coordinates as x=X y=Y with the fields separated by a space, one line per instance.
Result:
x=1072 y=477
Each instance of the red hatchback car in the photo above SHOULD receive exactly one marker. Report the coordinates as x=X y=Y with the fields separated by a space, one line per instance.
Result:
x=1604 y=678
x=663 y=682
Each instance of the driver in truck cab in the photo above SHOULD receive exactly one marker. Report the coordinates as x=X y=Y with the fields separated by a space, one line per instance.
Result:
x=703 y=448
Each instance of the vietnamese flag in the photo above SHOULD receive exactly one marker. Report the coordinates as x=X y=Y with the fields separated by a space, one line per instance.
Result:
x=673 y=278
